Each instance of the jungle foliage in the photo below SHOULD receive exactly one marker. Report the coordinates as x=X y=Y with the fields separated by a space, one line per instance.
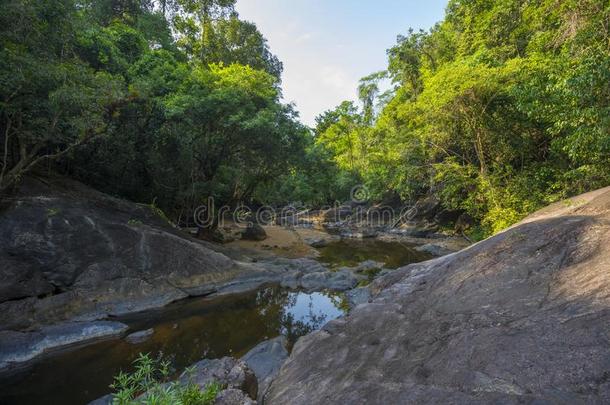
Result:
x=500 y=109
x=163 y=102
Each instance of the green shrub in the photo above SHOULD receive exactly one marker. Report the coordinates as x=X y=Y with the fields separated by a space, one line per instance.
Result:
x=149 y=385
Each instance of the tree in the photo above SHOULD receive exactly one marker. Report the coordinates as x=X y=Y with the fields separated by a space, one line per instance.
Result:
x=51 y=102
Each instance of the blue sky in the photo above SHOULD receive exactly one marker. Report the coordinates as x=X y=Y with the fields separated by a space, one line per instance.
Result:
x=328 y=45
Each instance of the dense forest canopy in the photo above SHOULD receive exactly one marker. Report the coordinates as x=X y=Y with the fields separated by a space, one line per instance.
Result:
x=499 y=109
x=156 y=101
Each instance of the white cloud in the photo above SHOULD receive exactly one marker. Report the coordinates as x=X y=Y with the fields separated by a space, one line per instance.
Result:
x=315 y=77
x=327 y=46
x=304 y=37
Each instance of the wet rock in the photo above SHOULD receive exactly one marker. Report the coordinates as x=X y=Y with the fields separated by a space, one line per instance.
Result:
x=385 y=272
x=233 y=397
x=521 y=317
x=19 y=347
x=254 y=232
x=228 y=372
x=337 y=281
x=291 y=280
x=101 y=255
x=265 y=360
x=316 y=242
x=358 y=296
x=140 y=336
x=434 y=250
x=425 y=230
x=361 y=233
x=368 y=265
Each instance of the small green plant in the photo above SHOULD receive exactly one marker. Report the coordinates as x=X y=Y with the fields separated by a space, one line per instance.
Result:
x=149 y=385
x=159 y=212
x=477 y=233
x=363 y=283
x=134 y=222
x=51 y=212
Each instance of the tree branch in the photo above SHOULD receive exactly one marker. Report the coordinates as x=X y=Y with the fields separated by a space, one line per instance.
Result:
x=5 y=160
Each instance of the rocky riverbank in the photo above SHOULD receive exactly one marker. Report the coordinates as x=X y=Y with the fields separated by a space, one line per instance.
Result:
x=522 y=317
x=245 y=381
x=72 y=256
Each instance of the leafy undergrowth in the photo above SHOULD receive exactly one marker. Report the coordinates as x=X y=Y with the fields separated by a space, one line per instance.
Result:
x=149 y=384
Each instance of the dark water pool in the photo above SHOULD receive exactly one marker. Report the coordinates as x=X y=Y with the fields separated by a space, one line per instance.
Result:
x=186 y=332
x=351 y=252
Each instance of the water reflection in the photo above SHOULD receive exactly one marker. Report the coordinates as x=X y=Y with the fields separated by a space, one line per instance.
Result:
x=305 y=313
x=351 y=252
x=185 y=332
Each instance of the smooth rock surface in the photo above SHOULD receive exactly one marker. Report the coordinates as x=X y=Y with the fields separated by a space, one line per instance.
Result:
x=337 y=281
x=19 y=347
x=140 y=336
x=69 y=252
x=265 y=359
x=433 y=249
x=358 y=296
x=522 y=317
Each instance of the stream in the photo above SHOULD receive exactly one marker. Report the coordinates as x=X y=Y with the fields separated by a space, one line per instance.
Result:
x=196 y=328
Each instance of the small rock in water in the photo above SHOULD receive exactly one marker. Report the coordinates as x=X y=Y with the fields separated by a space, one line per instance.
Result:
x=434 y=250
x=366 y=234
x=140 y=336
x=316 y=242
x=337 y=281
x=368 y=265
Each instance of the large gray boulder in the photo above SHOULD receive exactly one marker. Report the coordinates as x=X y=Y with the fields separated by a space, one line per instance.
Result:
x=69 y=252
x=522 y=317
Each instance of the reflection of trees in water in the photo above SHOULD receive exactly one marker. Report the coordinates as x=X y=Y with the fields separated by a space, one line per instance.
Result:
x=274 y=305
x=295 y=328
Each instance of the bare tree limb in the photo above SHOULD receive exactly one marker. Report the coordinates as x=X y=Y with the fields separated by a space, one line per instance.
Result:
x=5 y=159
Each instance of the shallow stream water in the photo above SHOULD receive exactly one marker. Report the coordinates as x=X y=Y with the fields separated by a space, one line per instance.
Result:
x=351 y=252
x=193 y=329
x=186 y=332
